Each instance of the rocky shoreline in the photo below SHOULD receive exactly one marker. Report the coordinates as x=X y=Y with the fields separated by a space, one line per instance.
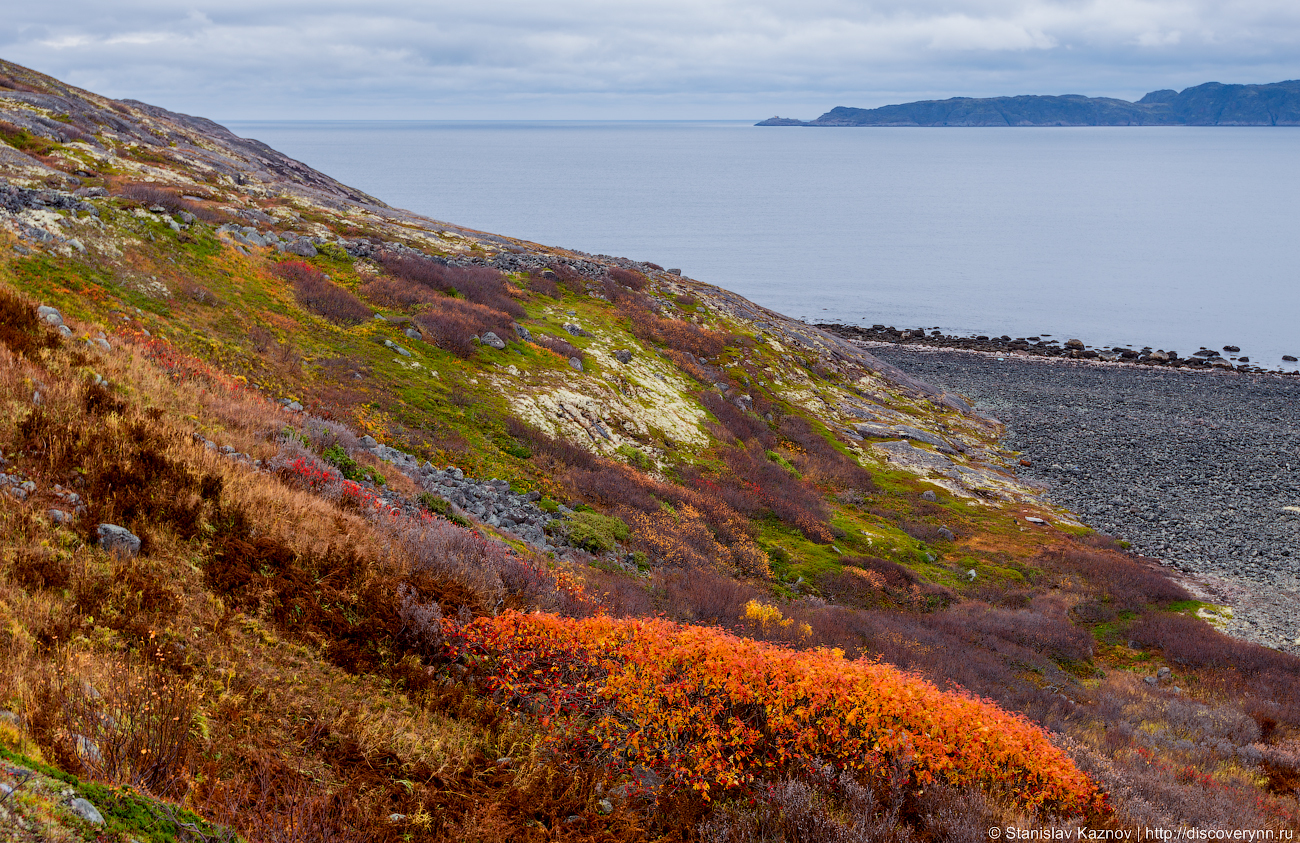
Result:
x=1197 y=468
x=1046 y=346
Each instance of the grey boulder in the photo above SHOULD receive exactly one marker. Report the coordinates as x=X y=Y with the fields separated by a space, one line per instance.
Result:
x=118 y=540
x=489 y=338
x=49 y=315
x=86 y=811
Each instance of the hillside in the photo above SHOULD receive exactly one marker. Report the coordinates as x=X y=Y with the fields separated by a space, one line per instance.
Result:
x=1211 y=104
x=322 y=520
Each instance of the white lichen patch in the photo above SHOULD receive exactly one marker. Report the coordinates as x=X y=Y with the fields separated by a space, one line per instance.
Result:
x=1216 y=616
x=637 y=400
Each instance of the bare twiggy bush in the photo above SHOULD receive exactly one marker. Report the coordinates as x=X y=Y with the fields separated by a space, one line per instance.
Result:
x=132 y=727
x=275 y=805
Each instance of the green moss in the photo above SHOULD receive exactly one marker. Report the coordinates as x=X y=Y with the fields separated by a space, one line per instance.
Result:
x=636 y=457
x=127 y=814
x=595 y=533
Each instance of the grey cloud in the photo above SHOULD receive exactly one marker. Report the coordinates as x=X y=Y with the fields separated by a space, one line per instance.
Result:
x=584 y=58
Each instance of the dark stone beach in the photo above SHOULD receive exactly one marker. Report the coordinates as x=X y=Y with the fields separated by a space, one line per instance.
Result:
x=1199 y=469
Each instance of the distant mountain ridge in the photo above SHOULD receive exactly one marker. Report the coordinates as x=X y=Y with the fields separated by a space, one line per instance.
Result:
x=1211 y=104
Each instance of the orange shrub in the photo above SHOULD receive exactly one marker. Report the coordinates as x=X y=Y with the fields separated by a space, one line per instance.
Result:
x=715 y=712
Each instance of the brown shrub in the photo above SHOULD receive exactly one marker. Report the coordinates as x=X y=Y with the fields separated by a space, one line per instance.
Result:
x=743 y=425
x=703 y=596
x=478 y=284
x=198 y=293
x=1130 y=584
x=628 y=278
x=316 y=292
x=867 y=582
x=672 y=333
x=397 y=292
x=821 y=462
x=149 y=195
x=544 y=282
x=453 y=324
x=20 y=328
x=754 y=485
x=562 y=347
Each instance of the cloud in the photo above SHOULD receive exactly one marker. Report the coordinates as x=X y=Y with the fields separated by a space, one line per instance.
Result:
x=595 y=58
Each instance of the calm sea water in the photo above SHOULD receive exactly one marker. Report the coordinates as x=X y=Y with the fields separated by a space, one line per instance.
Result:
x=1175 y=238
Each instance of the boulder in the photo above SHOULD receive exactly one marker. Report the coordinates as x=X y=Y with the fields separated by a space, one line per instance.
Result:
x=118 y=540
x=575 y=330
x=928 y=495
x=86 y=811
x=947 y=535
x=1077 y=344
x=623 y=356
x=491 y=339
x=522 y=332
x=49 y=316
x=301 y=247
x=413 y=334
x=575 y=364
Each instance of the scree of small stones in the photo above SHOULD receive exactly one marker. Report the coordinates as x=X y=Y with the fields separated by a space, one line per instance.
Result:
x=1197 y=469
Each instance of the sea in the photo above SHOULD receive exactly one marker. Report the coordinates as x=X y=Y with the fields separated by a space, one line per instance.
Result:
x=1177 y=238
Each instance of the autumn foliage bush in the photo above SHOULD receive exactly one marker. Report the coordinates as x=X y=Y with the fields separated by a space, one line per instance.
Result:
x=715 y=712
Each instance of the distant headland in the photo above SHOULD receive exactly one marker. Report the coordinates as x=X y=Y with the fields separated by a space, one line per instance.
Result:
x=1211 y=104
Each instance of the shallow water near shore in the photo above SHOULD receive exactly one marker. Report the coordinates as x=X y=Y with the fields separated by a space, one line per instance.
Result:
x=1175 y=237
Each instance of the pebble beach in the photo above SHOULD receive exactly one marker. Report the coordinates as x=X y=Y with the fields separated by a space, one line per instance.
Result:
x=1198 y=469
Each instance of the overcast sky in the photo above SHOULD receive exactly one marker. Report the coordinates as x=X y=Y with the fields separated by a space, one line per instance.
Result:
x=639 y=59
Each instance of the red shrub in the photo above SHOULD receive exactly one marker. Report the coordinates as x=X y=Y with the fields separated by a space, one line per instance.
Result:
x=316 y=292
x=452 y=324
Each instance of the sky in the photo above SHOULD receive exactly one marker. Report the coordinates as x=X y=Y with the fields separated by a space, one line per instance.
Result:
x=636 y=59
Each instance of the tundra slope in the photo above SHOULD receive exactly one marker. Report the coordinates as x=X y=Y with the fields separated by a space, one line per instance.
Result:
x=751 y=478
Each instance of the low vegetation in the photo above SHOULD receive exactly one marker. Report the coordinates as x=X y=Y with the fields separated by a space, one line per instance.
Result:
x=741 y=623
